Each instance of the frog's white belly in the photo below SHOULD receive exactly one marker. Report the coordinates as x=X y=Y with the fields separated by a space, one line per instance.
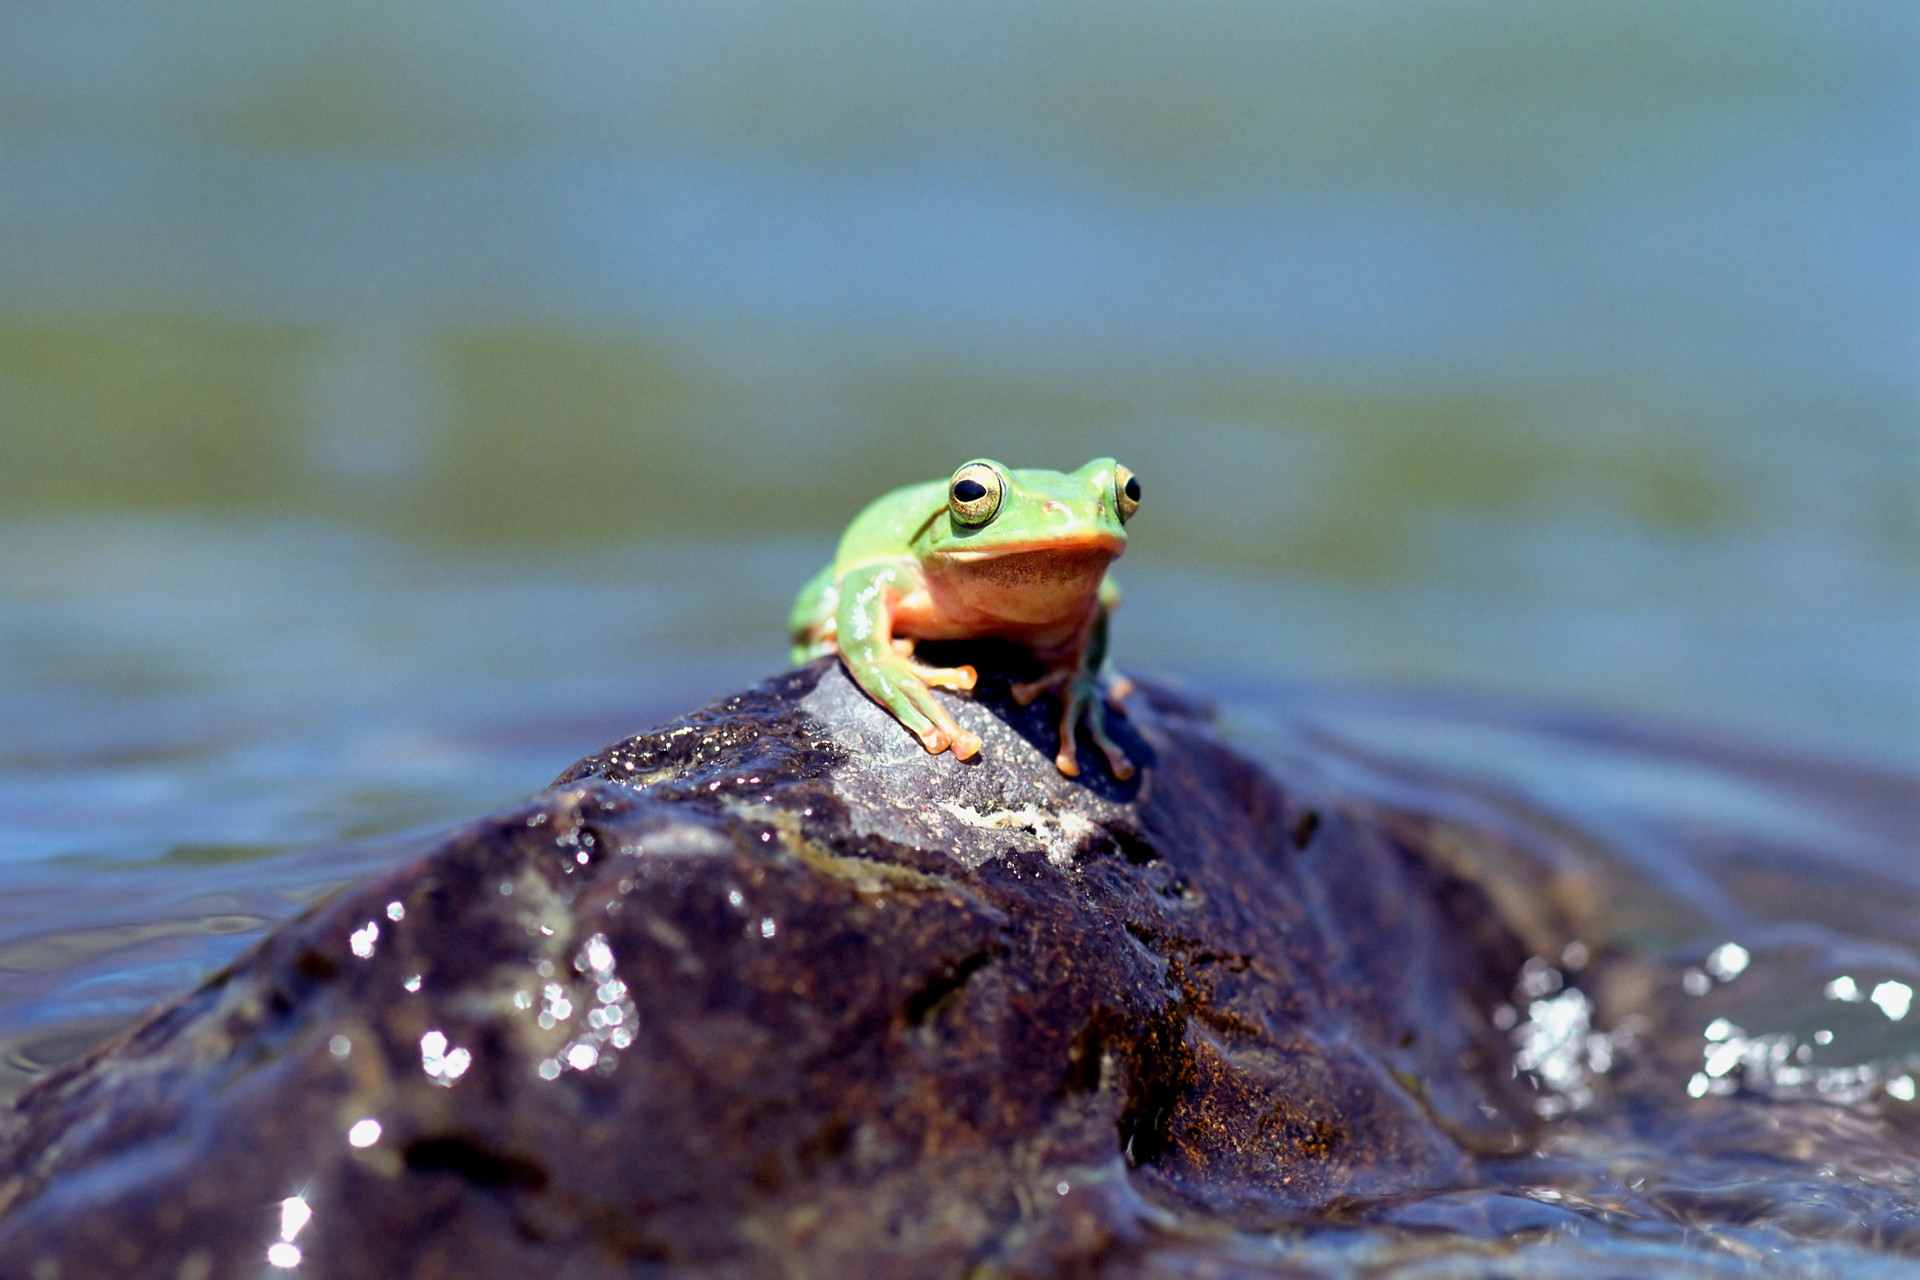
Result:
x=1042 y=598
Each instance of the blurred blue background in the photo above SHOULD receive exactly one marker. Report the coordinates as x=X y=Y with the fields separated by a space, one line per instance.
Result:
x=399 y=400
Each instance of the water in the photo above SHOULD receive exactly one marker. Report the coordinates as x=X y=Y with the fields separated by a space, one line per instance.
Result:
x=398 y=402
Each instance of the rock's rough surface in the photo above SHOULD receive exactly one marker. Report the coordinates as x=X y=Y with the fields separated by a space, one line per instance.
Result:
x=770 y=991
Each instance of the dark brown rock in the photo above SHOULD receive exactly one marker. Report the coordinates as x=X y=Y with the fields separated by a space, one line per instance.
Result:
x=816 y=1003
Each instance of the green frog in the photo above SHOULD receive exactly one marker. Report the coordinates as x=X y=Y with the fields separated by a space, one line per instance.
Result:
x=990 y=552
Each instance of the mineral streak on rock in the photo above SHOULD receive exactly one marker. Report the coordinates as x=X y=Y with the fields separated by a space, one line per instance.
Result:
x=771 y=990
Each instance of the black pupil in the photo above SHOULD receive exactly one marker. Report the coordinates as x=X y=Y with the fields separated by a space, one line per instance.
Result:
x=1133 y=489
x=969 y=490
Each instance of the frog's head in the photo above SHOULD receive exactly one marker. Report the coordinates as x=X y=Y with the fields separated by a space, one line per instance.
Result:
x=1031 y=545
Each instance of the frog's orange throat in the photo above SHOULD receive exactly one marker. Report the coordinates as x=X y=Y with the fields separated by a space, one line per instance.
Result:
x=1043 y=595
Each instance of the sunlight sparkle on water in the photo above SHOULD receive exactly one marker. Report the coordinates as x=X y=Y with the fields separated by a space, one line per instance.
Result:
x=609 y=1022
x=1727 y=961
x=1894 y=999
x=295 y=1213
x=442 y=1064
x=1557 y=1044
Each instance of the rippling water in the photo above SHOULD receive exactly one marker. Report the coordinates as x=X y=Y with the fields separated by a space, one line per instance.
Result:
x=398 y=403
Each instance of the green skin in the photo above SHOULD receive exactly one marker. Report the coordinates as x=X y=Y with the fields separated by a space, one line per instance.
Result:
x=911 y=567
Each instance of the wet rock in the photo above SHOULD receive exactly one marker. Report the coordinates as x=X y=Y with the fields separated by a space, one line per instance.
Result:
x=772 y=991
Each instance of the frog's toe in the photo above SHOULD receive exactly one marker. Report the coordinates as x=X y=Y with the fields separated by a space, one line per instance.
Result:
x=1117 y=762
x=935 y=739
x=962 y=678
x=1024 y=694
x=942 y=730
x=1067 y=759
x=938 y=735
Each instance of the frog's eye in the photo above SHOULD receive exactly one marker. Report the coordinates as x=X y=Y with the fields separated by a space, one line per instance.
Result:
x=974 y=494
x=1126 y=493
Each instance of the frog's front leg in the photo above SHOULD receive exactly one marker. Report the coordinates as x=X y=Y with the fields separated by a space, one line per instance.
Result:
x=1076 y=672
x=883 y=666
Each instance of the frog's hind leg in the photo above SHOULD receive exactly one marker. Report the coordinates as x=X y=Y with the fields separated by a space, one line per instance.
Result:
x=823 y=644
x=1064 y=675
x=1097 y=725
x=1084 y=696
x=1081 y=693
x=810 y=624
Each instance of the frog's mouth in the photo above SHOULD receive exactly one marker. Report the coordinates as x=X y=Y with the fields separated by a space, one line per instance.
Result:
x=1102 y=548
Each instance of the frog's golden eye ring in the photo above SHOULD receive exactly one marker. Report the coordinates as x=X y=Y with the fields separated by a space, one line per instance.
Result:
x=974 y=494
x=1126 y=493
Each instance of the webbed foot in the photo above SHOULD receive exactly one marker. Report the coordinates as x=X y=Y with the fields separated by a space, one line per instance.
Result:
x=1082 y=695
x=904 y=687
